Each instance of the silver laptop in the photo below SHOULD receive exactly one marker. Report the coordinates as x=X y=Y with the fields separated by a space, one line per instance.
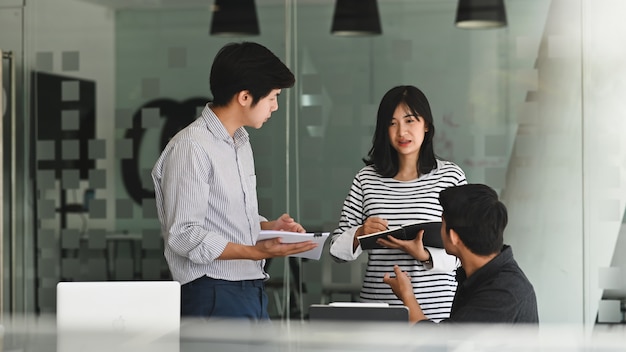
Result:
x=358 y=313
x=149 y=310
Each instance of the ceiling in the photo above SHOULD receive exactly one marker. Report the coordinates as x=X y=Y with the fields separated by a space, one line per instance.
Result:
x=144 y=4
x=139 y=4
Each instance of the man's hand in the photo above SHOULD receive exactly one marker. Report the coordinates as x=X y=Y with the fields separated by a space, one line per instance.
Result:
x=402 y=287
x=273 y=247
x=414 y=248
x=286 y=223
x=265 y=249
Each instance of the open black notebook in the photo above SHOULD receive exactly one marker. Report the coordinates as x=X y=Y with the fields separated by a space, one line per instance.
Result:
x=432 y=234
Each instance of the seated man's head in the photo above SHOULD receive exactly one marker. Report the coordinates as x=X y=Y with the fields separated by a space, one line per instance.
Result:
x=473 y=220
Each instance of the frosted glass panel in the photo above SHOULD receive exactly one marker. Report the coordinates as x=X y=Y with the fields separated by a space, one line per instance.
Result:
x=535 y=110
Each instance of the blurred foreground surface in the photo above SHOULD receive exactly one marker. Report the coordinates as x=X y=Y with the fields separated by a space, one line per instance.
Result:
x=40 y=334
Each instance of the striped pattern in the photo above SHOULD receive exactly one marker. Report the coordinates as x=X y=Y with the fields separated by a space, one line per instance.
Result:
x=401 y=202
x=205 y=188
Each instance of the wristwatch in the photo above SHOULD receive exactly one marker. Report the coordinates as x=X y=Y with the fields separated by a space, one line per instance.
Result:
x=428 y=261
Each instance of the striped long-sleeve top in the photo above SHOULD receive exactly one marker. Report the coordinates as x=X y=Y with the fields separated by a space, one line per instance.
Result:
x=400 y=202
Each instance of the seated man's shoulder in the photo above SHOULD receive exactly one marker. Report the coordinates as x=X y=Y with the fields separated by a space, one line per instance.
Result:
x=513 y=277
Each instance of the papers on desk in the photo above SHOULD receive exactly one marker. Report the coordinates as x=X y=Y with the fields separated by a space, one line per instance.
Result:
x=293 y=237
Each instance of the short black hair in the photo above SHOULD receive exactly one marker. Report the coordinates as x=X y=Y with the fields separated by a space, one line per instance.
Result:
x=382 y=155
x=247 y=66
x=476 y=214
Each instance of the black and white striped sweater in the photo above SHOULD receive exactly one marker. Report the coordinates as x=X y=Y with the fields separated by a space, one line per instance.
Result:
x=400 y=202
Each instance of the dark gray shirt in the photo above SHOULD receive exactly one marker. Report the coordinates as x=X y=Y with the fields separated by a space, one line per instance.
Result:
x=499 y=292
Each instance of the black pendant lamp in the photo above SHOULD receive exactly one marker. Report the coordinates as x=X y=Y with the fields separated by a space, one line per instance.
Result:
x=234 y=18
x=356 y=18
x=480 y=14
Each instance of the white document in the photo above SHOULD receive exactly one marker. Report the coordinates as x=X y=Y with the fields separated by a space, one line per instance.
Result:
x=293 y=237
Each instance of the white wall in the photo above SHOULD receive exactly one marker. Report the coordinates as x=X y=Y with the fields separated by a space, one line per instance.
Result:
x=566 y=180
x=604 y=152
x=544 y=177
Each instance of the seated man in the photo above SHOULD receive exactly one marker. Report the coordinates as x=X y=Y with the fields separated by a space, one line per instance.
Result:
x=491 y=286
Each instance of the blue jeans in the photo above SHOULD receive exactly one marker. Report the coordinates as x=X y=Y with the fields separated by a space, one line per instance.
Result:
x=207 y=297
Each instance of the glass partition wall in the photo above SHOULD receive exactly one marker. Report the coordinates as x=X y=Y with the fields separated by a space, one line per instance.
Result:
x=16 y=217
x=531 y=109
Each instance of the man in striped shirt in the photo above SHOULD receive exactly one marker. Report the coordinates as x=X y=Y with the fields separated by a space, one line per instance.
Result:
x=492 y=287
x=205 y=188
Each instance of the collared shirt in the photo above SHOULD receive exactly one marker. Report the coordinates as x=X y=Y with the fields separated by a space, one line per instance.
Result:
x=205 y=188
x=498 y=292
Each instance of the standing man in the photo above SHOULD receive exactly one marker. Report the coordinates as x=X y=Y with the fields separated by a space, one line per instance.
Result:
x=491 y=286
x=205 y=186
